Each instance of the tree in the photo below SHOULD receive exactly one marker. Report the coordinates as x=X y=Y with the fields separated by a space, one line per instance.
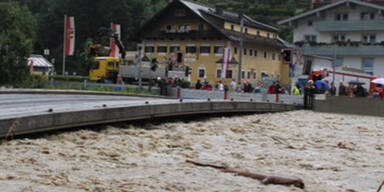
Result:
x=17 y=33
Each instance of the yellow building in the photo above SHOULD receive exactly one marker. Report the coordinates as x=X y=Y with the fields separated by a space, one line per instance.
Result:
x=199 y=34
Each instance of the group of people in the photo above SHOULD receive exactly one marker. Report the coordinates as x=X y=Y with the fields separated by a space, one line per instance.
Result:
x=245 y=87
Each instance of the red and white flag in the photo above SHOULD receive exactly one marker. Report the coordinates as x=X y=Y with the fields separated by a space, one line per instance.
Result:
x=114 y=48
x=69 y=36
x=227 y=57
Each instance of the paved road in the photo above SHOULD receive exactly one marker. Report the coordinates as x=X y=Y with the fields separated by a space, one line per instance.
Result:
x=18 y=105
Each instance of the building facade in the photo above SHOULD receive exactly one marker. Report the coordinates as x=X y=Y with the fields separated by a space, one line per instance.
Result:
x=350 y=32
x=199 y=35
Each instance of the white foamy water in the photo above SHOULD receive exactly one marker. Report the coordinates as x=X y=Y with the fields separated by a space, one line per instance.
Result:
x=329 y=152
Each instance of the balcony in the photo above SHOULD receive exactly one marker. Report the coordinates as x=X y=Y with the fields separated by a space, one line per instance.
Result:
x=347 y=26
x=330 y=50
x=185 y=34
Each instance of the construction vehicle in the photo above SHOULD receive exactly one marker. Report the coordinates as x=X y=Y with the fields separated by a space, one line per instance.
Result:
x=105 y=67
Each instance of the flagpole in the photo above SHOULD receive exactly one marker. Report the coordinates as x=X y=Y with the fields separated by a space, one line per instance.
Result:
x=65 y=42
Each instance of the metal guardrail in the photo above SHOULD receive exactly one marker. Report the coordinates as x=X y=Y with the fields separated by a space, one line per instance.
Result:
x=112 y=87
x=256 y=97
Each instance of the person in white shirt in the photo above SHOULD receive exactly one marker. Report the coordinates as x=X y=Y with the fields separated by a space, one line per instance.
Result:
x=221 y=86
x=233 y=85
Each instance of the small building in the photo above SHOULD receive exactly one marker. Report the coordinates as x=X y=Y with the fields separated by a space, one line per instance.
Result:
x=342 y=34
x=195 y=35
x=39 y=65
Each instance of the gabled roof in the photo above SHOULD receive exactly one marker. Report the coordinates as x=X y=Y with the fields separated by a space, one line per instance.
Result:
x=39 y=61
x=323 y=8
x=210 y=16
x=226 y=15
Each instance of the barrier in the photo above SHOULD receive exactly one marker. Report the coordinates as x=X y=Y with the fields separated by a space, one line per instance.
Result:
x=257 y=97
x=347 y=105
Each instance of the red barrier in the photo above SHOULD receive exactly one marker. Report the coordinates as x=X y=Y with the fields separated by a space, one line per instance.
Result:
x=225 y=95
x=178 y=93
x=277 y=98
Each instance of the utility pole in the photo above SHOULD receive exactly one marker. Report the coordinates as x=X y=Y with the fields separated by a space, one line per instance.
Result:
x=141 y=55
x=241 y=46
x=334 y=64
x=65 y=44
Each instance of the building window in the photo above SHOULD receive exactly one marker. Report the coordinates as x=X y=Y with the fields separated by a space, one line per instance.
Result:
x=369 y=38
x=273 y=56
x=367 y=65
x=310 y=23
x=255 y=53
x=205 y=49
x=191 y=49
x=251 y=52
x=175 y=48
x=339 y=61
x=367 y=16
x=149 y=49
x=218 y=75
x=169 y=28
x=248 y=75
x=246 y=30
x=245 y=51
x=219 y=49
x=310 y=38
x=235 y=50
x=258 y=33
x=341 y=17
x=265 y=54
x=232 y=27
x=229 y=74
x=242 y=74
x=184 y=28
x=202 y=73
x=162 y=49
x=254 y=75
x=339 y=37
x=268 y=35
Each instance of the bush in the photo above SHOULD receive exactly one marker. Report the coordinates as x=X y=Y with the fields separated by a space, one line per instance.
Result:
x=69 y=78
x=34 y=81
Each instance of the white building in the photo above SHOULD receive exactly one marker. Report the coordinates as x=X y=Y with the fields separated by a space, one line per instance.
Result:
x=39 y=65
x=352 y=31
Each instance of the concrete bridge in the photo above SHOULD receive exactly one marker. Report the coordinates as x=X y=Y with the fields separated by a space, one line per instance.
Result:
x=34 y=111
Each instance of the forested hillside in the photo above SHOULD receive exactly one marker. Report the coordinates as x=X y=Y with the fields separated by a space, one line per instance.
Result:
x=131 y=14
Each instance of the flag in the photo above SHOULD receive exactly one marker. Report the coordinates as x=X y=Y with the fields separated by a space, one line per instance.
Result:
x=114 y=48
x=227 y=57
x=69 y=36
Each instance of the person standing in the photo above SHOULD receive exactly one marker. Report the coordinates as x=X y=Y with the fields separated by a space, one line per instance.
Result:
x=342 y=89
x=221 y=86
x=198 y=84
x=296 y=89
x=278 y=88
x=233 y=85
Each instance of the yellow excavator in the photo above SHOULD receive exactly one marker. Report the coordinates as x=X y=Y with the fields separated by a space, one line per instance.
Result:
x=105 y=67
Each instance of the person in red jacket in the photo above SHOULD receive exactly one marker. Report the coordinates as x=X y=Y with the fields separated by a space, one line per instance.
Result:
x=271 y=89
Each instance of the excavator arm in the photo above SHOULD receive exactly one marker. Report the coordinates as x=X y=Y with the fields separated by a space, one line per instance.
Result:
x=112 y=34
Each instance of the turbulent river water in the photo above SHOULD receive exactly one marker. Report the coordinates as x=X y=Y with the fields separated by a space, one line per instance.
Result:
x=329 y=152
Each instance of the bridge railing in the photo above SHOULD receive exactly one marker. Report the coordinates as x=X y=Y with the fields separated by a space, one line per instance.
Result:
x=215 y=94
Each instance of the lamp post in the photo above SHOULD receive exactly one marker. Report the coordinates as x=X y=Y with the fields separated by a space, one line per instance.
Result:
x=241 y=46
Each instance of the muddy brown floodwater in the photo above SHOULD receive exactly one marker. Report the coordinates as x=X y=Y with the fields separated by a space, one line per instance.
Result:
x=329 y=152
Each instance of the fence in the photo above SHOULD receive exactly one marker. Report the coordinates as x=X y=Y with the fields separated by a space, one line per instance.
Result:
x=257 y=97
x=104 y=87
